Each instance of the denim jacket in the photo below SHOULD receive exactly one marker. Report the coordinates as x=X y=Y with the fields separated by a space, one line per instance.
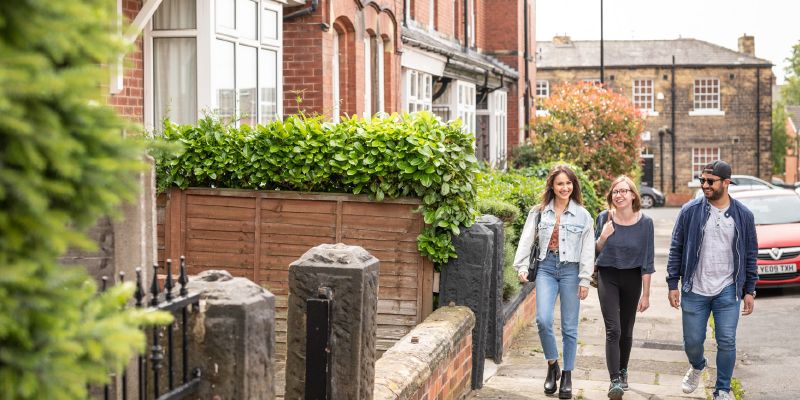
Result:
x=687 y=238
x=576 y=239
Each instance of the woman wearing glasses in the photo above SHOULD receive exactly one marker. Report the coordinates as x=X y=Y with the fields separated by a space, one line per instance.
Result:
x=565 y=250
x=624 y=263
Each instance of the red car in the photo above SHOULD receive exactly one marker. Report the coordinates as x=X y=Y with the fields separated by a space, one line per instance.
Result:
x=777 y=215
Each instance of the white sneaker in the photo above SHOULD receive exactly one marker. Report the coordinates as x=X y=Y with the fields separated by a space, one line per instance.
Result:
x=723 y=396
x=691 y=380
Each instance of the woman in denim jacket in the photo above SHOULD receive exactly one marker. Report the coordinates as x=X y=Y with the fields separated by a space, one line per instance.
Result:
x=566 y=254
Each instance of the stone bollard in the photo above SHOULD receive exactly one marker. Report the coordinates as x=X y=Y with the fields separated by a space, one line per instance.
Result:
x=233 y=337
x=466 y=281
x=494 y=335
x=348 y=275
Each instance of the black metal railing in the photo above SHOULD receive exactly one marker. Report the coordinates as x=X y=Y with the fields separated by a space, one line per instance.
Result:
x=150 y=366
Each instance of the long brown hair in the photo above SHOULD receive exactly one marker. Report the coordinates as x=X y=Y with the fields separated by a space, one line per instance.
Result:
x=636 y=204
x=549 y=194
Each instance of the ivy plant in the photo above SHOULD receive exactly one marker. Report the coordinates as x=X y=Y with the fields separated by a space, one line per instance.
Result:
x=387 y=156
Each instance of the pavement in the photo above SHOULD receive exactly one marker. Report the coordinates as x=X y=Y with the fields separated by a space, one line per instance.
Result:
x=657 y=363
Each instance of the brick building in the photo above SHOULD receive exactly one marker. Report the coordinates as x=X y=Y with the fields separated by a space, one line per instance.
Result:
x=251 y=60
x=701 y=101
x=359 y=57
x=792 y=166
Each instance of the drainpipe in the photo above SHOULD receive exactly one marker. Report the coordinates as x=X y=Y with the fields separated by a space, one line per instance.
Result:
x=466 y=24
x=526 y=101
x=299 y=13
x=661 y=133
x=672 y=95
x=758 y=122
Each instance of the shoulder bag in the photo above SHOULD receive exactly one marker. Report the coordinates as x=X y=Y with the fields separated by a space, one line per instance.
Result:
x=533 y=267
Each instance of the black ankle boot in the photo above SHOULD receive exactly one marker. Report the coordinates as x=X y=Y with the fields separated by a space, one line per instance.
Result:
x=553 y=373
x=565 y=388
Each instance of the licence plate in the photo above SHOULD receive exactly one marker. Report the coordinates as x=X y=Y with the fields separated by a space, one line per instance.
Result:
x=776 y=269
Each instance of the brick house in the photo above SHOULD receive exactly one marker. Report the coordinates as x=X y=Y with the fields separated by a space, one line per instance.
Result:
x=359 y=57
x=251 y=60
x=792 y=155
x=701 y=101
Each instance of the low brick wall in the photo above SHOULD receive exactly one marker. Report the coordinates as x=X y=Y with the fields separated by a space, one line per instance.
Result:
x=437 y=366
x=518 y=314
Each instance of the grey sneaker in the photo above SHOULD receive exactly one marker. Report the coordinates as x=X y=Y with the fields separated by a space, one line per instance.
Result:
x=691 y=379
x=722 y=395
x=623 y=379
x=615 y=391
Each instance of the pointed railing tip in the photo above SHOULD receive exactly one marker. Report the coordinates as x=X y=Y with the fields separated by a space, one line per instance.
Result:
x=168 y=285
x=154 y=287
x=139 y=293
x=182 y=278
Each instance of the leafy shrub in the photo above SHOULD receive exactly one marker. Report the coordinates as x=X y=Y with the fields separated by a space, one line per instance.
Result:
x=596 y=129
x=524 y=156
x=390 y=156
x=63 y=164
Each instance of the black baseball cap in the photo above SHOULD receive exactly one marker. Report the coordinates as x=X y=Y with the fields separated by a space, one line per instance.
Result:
x=719 y=168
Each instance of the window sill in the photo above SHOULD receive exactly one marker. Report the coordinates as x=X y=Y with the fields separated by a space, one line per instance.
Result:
x=648 y=113
x=707 y=113
x=542 y=113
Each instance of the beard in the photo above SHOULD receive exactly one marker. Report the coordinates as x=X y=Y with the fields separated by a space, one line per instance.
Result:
x=715 y=194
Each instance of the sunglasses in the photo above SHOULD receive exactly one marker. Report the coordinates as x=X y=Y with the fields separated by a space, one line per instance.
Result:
x=710 y=181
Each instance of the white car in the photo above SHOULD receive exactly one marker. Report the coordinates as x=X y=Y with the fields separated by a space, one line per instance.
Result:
x=741 y=183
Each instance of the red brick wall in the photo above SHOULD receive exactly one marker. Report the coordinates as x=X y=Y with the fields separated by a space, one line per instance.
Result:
x=451 y=380
x=302 y=63
x=129 y=102
x=524 y=315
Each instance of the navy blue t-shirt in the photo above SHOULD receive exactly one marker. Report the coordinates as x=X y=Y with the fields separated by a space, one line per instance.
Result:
x=630 y=246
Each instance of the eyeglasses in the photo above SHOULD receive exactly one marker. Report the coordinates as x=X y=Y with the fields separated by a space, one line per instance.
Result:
x=710 y=181
x=620 y=191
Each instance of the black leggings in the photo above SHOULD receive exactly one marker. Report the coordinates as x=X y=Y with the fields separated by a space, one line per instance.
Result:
x=619 y=291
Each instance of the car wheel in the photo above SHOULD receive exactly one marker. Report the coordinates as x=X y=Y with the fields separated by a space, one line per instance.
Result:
x=647 y=201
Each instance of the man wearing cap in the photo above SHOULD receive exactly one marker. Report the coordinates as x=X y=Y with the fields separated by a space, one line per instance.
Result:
x=713 y=255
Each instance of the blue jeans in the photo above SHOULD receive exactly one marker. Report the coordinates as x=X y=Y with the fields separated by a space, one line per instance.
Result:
x=695 y=310
x=556 y=278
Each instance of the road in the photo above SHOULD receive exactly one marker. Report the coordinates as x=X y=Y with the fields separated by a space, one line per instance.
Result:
x=766 y=363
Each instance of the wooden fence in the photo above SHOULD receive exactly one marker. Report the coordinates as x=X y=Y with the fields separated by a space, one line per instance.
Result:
x=257 y=234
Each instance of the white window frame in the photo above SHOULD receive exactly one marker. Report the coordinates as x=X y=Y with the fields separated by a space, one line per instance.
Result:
x=465 y=105
x=498 y=128
x=431 y=14
x=542 y=88
x=418 y=91
x=706 y=97
x=471 y=24
x=702 y=156
x=205 y=34
x=643 y=95
x=337 y=107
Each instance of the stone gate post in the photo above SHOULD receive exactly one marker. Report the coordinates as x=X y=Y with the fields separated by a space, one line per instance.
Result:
x=348 y=275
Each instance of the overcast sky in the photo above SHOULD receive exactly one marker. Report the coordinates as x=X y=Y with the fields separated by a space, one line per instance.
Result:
x=773 y=23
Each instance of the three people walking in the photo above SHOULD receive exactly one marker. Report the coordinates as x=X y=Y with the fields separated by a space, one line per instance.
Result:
x=566 y=259
x=711 y=270
x=625 y=243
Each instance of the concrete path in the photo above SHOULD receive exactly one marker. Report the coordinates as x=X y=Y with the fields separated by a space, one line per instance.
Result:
x=657 y=361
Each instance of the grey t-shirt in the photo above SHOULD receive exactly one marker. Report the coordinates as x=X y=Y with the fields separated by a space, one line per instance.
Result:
x=715 y=267
x=630 y=246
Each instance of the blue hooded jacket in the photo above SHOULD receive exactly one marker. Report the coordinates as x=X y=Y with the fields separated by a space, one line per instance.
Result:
x=687 y=238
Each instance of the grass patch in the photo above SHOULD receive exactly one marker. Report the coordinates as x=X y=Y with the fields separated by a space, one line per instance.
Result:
x=736 y=389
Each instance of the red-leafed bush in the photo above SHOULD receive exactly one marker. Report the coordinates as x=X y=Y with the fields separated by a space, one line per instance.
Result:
x=592 y=127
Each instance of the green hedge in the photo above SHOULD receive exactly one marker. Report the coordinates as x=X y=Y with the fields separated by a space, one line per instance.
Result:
x=391 y=156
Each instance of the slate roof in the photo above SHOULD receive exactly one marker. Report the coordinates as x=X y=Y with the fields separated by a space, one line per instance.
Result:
x=640 y=53
x=425 y=41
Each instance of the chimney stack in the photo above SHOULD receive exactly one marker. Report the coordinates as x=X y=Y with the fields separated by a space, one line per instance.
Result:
x=562 y=40
x=747 y=45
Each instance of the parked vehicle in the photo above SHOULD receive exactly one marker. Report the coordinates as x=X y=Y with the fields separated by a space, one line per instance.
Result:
x=740 y=183
x=777 y=216
x=651 y=197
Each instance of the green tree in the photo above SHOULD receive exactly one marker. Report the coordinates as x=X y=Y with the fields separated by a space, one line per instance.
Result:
x=63 y=164
x=594 y=128
x=790 y=91
x=779 y=138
